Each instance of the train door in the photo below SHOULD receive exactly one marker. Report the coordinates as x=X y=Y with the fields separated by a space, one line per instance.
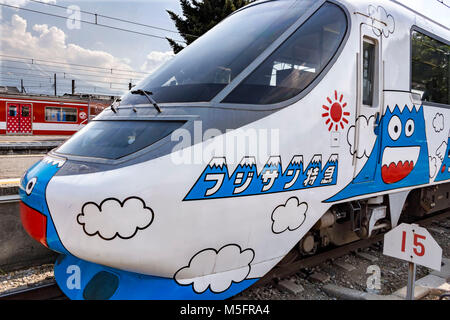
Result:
x=12 y=118
x=369 y=101
x=18 y=118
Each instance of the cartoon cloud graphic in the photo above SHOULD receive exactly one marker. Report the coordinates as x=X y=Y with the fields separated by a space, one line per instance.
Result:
x=438 y=122
x=289 y=216
x=382 y=22
x=367 y=135
x=113 y=218
x=433 y=166
x=216 y=269
x=441 y=151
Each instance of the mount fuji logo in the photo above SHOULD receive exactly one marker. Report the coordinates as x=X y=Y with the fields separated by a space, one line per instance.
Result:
x=216 y=182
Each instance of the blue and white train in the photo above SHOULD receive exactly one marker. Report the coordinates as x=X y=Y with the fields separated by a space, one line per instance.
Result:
x=353 y=95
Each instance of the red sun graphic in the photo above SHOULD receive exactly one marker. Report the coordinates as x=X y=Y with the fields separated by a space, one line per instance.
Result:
x=335 y=115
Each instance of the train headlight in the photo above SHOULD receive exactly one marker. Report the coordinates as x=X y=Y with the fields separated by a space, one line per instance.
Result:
x=30 y=186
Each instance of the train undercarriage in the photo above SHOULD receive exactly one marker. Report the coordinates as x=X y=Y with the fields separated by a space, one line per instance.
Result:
x=362 y=219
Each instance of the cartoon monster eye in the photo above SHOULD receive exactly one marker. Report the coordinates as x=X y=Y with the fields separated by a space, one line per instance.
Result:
x=30 y=185
x=409 y=127
x=395 y=128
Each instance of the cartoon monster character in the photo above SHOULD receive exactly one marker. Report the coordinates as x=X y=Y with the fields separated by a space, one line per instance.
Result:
x=34 y=211
x=398 y=159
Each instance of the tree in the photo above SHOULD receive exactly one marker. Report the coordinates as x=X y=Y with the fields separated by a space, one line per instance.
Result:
x=430 y=68
x=200 y=16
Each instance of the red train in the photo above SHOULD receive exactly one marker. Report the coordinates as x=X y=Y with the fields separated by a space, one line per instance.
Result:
x=22 y=114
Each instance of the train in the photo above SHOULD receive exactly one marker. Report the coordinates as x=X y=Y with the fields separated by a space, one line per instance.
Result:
x=320 y=123
x=27 y=114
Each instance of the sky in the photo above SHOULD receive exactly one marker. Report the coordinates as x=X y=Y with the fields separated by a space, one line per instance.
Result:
x=37 y=36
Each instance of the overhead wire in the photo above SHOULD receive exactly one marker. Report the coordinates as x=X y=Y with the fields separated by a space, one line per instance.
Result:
x=46 y=63
x=88 y=22
x=65 y=79
x=115 y=18
x=33 y=61
x=442 y=2
x=64 y=73
x=96 y=73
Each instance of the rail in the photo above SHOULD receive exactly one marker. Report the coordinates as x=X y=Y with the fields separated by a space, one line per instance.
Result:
x=9 y=198
x=49 y=291
x=282 y=270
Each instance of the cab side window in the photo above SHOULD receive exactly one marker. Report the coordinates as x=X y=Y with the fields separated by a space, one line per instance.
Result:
x=297 y=62
x=430 y=70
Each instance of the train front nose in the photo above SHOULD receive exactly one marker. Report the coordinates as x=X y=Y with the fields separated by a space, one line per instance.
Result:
x=34 y=223
x=34 y=212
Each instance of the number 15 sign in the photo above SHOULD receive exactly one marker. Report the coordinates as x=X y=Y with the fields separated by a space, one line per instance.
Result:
x=414 y=244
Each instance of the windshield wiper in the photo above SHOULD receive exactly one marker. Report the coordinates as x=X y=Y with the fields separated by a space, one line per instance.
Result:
x=113 y=108
x=147 y=95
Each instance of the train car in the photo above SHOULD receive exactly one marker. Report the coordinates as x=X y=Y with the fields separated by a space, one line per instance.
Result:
x=344 y=111
x=22 y=114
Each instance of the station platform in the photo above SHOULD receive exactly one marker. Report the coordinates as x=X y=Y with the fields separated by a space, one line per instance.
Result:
x=9 y=182
x=29 y=138
x=12 y=167
x=10 y=145
x=9 y=189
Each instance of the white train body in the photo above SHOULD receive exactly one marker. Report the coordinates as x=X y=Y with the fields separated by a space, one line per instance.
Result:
x=211 y=228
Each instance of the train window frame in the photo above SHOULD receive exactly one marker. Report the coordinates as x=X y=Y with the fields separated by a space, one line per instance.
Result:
x=29 y=111
x=16 y=107
x=375 y=72
x=217 y=100
x=59 y=107
x=416 y=28
x=210 y=99
x=125 y=157
x=276 y=46
x=154 y=148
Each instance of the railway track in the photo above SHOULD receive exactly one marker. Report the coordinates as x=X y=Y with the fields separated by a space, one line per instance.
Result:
x=51 y=291
x=48 y=291
x=283 y=270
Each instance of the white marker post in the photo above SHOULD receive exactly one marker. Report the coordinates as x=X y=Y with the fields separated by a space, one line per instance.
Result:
x=416 y=245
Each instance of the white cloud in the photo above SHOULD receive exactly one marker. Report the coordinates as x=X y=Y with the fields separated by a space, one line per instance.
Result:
x=155 y=59
x=442 y=150
x=16 y=3
x=438 y=122
x=289 y=216
x=113 y=218
x=216 y=270
x=51 y=44
x=433 y=166
x=379 y=14
x=19 y=3
x=45 y=42
x=366 y=134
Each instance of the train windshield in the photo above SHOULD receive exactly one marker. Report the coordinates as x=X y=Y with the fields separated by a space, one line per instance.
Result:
x=116 y=139
x=207 y=65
